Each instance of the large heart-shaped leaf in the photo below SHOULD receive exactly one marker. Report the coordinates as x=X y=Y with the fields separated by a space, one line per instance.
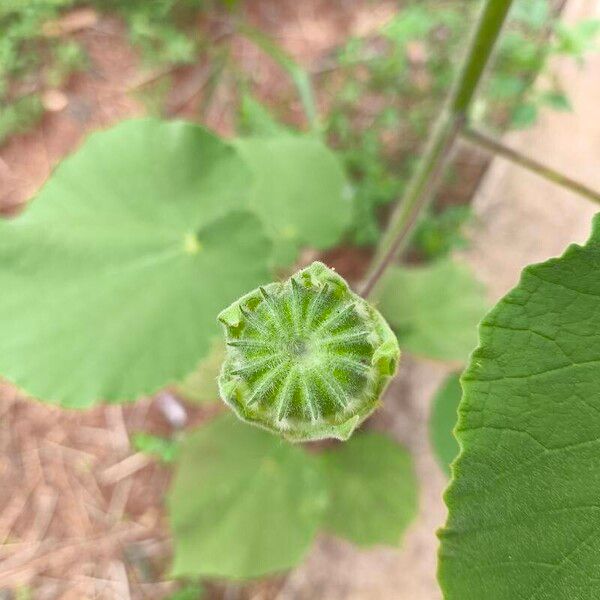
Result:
x=111 y=281
x=299 y=193
x=373 y=490
x=433 y=309
x=243 y=503
x=524 y=516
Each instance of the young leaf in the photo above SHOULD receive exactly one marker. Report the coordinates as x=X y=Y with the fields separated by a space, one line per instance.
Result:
x=243 y=502
x=112 y=278
x=372 y=488
x=306 y=358
x=444 y=413
x=433 y=309
x=299 y=193
x=523 y=505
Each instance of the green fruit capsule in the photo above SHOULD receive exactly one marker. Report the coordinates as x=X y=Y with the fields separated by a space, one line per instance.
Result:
x=306 y=358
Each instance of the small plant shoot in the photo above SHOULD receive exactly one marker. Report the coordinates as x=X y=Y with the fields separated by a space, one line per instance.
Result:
x=307 y=358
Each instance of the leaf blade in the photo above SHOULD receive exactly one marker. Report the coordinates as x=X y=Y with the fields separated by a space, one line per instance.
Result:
x=243 y=503
x=409 y=297
x=300 y=192
x=109 y=282
x=523 y=496
x=373 y=490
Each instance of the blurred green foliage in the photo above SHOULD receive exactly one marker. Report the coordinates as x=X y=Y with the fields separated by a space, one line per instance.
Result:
x=426 y=327
x=438 y=233
x=405 y=69
x=24 y=50
x=384 y=88
x=165 y=31
x=18 y=116
x=442 y=420
x=33 y=58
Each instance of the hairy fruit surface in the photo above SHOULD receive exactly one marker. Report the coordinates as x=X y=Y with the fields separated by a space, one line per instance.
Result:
x=306 y=358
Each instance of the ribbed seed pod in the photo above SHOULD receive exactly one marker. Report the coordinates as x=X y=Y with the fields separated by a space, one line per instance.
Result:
x=306 y=358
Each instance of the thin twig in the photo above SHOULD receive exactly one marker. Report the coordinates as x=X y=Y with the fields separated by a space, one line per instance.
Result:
x=498 y=148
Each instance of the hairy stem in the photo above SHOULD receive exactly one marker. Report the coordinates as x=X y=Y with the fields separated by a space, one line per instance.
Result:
x=488 y=143
x=425 y=182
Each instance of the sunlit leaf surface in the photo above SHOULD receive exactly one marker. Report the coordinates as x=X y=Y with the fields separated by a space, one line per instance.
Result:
x=523 y=505
x=300 y=192
x=110 y=282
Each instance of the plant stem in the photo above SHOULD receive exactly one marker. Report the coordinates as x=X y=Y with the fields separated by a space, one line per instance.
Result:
x=492 y=145
x=425 y=181
x=298 y=75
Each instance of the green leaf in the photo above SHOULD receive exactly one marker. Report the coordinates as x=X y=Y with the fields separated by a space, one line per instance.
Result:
x=373 y=490
x=444 y=414
x=243 y=503
x=433 y=309
x=256 y=120
x=20 y=115
x=524 y=115
x=557 y=100
x=300 y=193
x=533 y=13
x=523 y=506
x=111 y=280
x=163 y=448
x=201 y=386
x=503 y=86
x=578 y=39
x=437 y=234
x=412 y=22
